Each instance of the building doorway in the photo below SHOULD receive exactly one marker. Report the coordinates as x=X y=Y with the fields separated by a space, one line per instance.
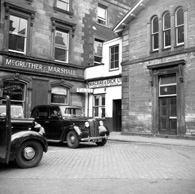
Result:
x=117 y=122
x=168 y=104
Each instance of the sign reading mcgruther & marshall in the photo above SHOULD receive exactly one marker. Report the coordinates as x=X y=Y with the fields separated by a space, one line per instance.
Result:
x=39 y=67
x=105 y=82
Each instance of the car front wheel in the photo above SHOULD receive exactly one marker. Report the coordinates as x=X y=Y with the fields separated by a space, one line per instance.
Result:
x=72 y=139
x=29 y=154
x=101 y=143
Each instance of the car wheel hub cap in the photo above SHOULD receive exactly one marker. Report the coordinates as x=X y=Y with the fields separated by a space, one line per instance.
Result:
x=29 y=153
x=72 y=139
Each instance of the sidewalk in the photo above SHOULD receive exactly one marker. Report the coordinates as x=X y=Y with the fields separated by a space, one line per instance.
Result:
x=117 y=136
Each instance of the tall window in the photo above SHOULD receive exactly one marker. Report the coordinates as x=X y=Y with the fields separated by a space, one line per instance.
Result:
x=114 y=57
x=17 y=34
x=99 y=106
x=155 y=34
x=98 y=44
x=61 y=46
x=63 y=4
x=166 y=30
x=102 y=15
x=179 y=26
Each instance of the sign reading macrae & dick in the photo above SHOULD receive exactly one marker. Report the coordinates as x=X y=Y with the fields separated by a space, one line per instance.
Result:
x=105 y=82
x=39 y=67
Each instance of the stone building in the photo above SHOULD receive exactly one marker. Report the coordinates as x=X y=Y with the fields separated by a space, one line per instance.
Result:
x=158 y=68
x=46 y=45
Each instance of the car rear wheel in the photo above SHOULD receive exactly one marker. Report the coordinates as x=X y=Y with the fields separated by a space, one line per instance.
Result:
x=72 y=139
x=29 y=154
x=101 y=143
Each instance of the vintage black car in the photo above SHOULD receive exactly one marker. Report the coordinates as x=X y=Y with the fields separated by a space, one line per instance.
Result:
x=67 y=124
x=21 y=140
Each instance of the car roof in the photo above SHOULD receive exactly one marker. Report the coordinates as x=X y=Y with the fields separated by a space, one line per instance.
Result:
x=57 y=105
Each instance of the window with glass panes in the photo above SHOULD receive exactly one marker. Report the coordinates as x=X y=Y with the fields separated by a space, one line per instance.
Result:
x=155 y=34
x=99 y=106
x=63 y=4
x=98 y=44
x=179 y=26
x=102 y=15
x=17 y=34
x=59 y=95
x=167 y=30
x=167 y=85
x=114 y=57
x=61 y=46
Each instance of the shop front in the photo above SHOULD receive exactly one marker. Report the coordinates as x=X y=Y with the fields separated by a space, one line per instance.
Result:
x=105 y=101
x=30 y=82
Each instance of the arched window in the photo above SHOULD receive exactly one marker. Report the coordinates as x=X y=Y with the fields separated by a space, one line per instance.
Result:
x=15 y=90
x=179 y=26
x=167 y=30
x=155 y=34
x=59 y=95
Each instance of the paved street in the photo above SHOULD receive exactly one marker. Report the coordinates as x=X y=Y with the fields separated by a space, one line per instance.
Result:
x=118 y=167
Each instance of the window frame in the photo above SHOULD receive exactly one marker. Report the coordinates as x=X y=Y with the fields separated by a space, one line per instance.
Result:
x=58 y=9
x=64 y=2
x=110 y=55
x=166 y=30
x=54 y=91
x=21 y=12
x=167 y=85
x=100 y=57
x=100 y=106
x=66 y=27
x=18 y=35
x=61 y=47
x=104 y=21
x=153 y=34
x=178 y=26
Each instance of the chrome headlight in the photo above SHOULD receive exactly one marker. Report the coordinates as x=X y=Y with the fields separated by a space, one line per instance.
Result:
x=87 y=124
x=101 y=123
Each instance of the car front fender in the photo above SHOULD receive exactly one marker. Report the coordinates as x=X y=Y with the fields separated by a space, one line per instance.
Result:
x=19 y=138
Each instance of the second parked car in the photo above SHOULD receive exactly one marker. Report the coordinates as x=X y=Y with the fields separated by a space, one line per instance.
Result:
x=67 y=124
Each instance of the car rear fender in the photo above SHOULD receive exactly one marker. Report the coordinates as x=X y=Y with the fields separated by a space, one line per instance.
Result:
x=19 y=138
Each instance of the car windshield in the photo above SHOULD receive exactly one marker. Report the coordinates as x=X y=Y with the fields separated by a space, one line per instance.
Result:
x=16 y=111
x=71 y=111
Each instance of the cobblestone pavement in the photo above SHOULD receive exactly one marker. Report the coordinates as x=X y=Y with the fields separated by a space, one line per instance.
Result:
x=120 y=161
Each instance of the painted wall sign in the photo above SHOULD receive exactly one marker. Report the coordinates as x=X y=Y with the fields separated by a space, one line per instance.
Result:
x=39 y=67
x=106 y=82
x=84 y=90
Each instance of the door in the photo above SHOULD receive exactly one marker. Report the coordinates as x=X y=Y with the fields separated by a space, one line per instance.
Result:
x=168 y=115
x=117 y=115
x=39 y=92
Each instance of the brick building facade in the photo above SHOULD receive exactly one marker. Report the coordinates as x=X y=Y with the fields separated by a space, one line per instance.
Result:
x=46 y=45
x=158 y=68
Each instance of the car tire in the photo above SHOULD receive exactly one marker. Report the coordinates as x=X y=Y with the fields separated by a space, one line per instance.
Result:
x=29 y=154
x=72 y=139
x=102 y=143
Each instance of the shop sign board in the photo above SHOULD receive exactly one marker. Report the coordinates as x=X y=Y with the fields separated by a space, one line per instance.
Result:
x=84 y=90
x=105 y=82
x=40 y=67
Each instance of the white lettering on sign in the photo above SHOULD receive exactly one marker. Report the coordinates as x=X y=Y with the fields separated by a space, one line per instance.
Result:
x=106 y=82
x=84 y=90
x=39 y=67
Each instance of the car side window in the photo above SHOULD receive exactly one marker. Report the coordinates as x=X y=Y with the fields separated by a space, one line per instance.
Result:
x=41 y=113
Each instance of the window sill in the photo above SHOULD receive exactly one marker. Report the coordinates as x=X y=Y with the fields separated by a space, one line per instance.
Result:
x=64 y=11
x=179 y=46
